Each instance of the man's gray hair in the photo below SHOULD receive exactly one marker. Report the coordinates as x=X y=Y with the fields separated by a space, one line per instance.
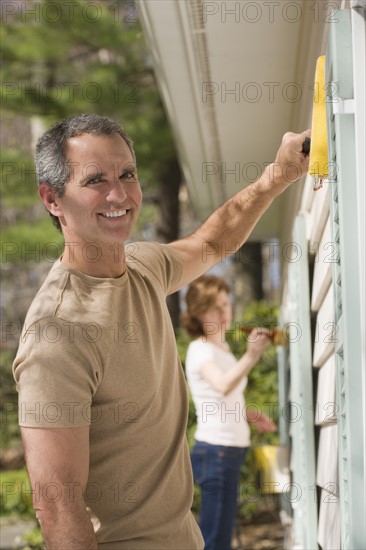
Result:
x=50 y=159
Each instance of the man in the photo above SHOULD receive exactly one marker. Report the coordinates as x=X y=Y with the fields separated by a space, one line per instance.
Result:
x=102 y=396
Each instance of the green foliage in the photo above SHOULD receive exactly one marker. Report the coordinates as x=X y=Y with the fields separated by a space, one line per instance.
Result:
x=261 y=395
x=183 y=340
x=147 y=217
x=262 y=390
x=34 y=540
x=38 y=242
x=92 y=59
x=27 y=231
x=59 y=62
x=15 y=494
x=18 y=180
x=9 y=433
x=63 y=59
x=16 y=500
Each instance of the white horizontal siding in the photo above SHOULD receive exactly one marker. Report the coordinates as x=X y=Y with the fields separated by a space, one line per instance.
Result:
x=325 y=409
x=327 y=463
x=325 y=331
x=329 y=535
x=318 y=216
x=324 y=257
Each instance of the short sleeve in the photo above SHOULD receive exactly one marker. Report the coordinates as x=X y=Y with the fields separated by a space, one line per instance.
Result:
x=198 y=353
x=160 y=260
x=57 y=371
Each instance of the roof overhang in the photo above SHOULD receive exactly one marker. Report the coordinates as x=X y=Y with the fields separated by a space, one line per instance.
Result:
x=234 y=77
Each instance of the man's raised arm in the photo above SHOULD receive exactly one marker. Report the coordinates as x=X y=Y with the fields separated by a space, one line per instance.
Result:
x=230 y=225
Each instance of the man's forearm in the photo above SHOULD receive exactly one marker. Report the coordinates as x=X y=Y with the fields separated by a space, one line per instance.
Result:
x=224 y=232
x=71 y=529
x=231 y=224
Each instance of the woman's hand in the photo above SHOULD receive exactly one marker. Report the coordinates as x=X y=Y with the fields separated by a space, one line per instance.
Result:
x=258 y=340
x=261 y=421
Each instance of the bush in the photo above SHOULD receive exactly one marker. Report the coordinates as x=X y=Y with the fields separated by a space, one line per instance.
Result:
x=19 y=180
x=33 y=540
x=262 y=390
x=9 y=433
x=16 y=494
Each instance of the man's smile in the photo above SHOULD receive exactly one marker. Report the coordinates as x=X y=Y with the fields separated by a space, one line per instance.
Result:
x=115 y=214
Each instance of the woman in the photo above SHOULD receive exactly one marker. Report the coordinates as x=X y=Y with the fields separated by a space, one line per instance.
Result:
x=217 y=381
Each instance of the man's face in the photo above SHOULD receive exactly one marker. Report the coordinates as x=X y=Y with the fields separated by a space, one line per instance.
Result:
x=102 y=199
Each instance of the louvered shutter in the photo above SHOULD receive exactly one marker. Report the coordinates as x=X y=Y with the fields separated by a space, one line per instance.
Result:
x=346 y=283
x=303 y=496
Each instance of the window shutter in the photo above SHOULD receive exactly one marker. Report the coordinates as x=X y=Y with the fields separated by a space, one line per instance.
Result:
x=303 y=497
x=346 y=282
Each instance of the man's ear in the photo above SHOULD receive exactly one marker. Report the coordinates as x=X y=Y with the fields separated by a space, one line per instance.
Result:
x=50 y=199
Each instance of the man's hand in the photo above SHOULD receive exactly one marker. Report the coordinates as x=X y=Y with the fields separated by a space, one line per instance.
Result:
x=290 y=162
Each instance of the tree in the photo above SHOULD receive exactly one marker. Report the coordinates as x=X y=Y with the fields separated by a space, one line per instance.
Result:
x=66 y=58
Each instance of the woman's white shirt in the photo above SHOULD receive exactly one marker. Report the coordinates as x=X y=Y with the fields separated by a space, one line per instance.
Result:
x=220 y=418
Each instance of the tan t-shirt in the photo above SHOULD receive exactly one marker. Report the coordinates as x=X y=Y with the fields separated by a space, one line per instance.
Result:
x=102 y=352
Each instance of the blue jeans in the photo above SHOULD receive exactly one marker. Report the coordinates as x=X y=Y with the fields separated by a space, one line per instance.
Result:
x=216 y=470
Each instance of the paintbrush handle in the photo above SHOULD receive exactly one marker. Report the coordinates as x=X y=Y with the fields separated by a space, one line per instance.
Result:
x=276 y=335
x=306 y=146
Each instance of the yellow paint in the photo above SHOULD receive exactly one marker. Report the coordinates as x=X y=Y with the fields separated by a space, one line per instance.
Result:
x=318 y=163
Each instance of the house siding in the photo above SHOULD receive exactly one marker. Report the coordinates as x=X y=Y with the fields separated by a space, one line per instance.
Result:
x=335 y=420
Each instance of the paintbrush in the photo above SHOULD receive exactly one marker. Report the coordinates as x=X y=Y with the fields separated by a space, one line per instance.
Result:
x=278 y=336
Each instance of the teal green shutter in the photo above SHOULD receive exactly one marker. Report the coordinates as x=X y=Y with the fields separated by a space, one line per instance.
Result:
x=301 y=392
x=344 y=230
x=283 y=422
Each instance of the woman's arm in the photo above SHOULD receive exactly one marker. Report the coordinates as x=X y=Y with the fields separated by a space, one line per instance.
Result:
x=225 y=382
